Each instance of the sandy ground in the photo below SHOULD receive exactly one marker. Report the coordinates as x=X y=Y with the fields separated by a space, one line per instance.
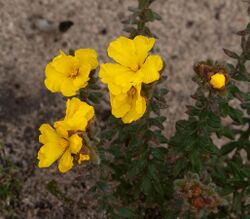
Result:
x=190 y=31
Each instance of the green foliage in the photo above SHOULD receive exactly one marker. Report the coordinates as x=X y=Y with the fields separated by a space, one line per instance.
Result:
x=139 y=18
x=135 y=155
x=10 y=184
x=146 y=175
x=194 y=146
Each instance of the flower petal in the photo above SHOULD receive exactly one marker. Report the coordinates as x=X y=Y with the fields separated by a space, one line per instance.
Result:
x=88 y=56
x=49 y=153
x=68 y=88
x=66 y=162
x=63 y=63
x=123 y=51
x=78 y=114
x=150 y=69
x=119 y=78
x=130 y=53
x=138 y=107
x=53 y=78
x=75 y=143
x=119 y=104
x=62 y=129
x=143 y=45
x=48 y=134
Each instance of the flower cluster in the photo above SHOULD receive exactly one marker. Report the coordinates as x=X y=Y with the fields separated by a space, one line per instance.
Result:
x=64 y=141
x=70 y=73
x=125 y=78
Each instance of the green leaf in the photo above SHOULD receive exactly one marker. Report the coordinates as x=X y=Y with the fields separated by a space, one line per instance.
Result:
x=237 y=201
x=115 y=150
x=161 y=138
x=159 y=153
x=227 y=148
x=150 y=15
x=157 y=121
x=211 y=148
x=227 y=132
x=247 y=56
x=155 y=107
x=146 y=184
x=235 y=114
x=108 y=133
x=127 y=213
x=195 y=161
x=154 y=173
x=130 y=30
x=242 y=68
x=214 y=121
x=136 y=167
x=156 y=16
x=231 y=54
x=179 y=166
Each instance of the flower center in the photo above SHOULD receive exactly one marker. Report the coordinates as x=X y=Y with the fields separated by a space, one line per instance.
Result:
x=132 y=91
x=74 y=72
x=64 y=143
x=135 y=67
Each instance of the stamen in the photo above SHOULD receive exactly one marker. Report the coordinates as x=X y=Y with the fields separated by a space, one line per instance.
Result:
x=132 y=91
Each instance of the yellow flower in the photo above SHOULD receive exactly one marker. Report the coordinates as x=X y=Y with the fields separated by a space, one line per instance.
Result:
x=57 y=146
x=129 y=105
x=218 y=81
x=134 y=66
x=67 y=73
x=63 y=141
x=78 y=114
